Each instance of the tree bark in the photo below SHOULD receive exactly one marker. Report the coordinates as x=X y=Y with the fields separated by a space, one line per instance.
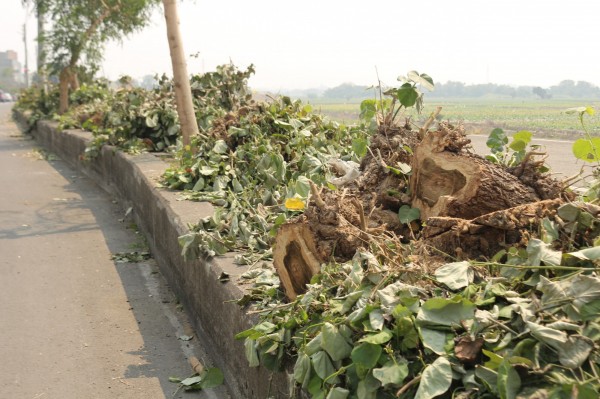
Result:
x=183 y=91
x=448 y=181
x=295 y=258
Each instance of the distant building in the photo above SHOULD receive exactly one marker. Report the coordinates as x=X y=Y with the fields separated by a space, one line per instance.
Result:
x=10 y=69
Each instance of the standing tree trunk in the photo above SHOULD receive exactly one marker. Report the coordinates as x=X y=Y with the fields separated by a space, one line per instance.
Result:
x=183 y=91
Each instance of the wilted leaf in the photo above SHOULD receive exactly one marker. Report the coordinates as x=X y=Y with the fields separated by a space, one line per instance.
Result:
x=551 y=337
x=539 y=252
x=435 y=380
x=467 y=351
x=302 y=369
x=455 y=275
x=322 y=365
x=575 y=351
x=434 y=340
x=191 y=381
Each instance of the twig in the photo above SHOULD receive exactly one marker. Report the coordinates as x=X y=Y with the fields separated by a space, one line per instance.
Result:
x=316 y=196
x=429 y=121
x=408 y=385
x=197 y=367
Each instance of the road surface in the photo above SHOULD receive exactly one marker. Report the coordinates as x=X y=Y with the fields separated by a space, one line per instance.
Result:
x=73 y=322
x=561 y=160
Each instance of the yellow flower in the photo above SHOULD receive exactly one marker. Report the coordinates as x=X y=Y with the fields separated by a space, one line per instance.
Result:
x=294 y=204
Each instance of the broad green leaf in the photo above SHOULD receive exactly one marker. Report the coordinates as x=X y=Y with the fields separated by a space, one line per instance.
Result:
x=445 y=312
x=334 y=343
x=509 y=382
x=378 y=338
x=251 y=352
x=338 y=393
x=435 y=380
x=497 y=140
x=302 y=186
x=322 y=365
x=434 y=340
x=391 y=373
x=587 y=150
x=366 y=354
x=523 y=135
x=302 y=370
x=518 y=145
x=592 y=253
x=367 y=387
x=376 y=319
x=359 y=147
x=314 y=345
x=220 y=147
x=455 y=275
x=406 y=214
x=212 y=377
x=407 y=95
x=368 y=109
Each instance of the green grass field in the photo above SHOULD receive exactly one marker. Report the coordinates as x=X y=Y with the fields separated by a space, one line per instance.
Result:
x=543 y=118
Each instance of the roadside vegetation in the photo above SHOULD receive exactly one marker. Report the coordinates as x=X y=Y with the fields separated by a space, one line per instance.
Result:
x=396 y=317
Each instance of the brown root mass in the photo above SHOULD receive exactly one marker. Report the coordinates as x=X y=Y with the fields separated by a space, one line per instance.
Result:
x=470 y=207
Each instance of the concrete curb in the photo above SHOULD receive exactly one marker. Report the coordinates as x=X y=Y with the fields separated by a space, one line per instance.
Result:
x=162 y=218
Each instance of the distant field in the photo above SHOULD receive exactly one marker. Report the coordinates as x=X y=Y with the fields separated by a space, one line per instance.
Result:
x=544 y=118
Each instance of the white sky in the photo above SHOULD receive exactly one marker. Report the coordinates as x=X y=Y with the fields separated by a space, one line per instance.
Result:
x=310 y=43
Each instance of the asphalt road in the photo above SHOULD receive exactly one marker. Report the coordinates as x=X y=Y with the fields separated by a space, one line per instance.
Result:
x=561 y=160
x=73 y=322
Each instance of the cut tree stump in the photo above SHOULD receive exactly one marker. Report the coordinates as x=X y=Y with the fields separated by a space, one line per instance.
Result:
x=295 y=258
x=448 y=181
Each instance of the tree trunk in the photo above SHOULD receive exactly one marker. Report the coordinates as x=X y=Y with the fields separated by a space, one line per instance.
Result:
x=183 y=91
x=448 y=181
x=295 y=258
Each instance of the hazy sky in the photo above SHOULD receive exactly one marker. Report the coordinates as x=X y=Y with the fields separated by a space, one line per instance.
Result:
x=310 y=43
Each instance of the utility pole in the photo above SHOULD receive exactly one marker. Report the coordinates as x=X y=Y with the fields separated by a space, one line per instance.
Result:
x=26 y=62
x=41 y=51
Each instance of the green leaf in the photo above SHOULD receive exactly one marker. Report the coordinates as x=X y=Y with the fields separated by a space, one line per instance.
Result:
x=338 y=393
x=334 y=343
x=368 y=109
x=376 y=319
x=497 y=140
x=322 y=365
x=251 y=352
x=455 y=275
x=302 y=370
x=423 y=79
x=366 y=354
x=575 y=351
x=509 y=382
x=435 y=380
x=220 y=147
x=445 y=312
x=523 y=135
x=407 y=95
x=434 y=340
x=378 y=338
x=587 y=150
x=302 y=186
x=406 y=214
x=212 y=377
x=359 y=147
x=391 y=373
